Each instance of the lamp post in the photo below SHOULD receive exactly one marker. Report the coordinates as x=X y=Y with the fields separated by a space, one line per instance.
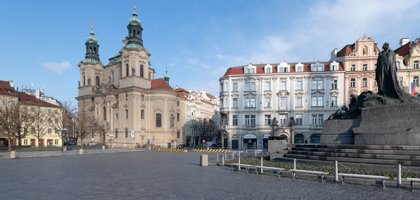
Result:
x=274 y=126
x=292 y=123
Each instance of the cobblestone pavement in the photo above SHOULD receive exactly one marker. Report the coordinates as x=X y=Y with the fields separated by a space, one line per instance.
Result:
x=154 y=175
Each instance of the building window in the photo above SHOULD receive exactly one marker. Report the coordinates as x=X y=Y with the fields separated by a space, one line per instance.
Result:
x=317 y=120
x=126 y=132
x=283 y=85
x=334 y=84
x=141 y=71
x=158 y=120
x=235 y=102
x=298 y=120
x=178 y=134
x=250 y=102
x=317 y=84
x=234 y=120
x=116 y=133
x=315 y=138
x=298 y=102
x=249 y=86
x=97 y=82
x=416 y=64
x=177 y=117
x=126 y=113
x=364 y=82
x=365 y=67
x=225 y=103
x=333 y=101
x=334 y=68
x=267 y=86
x=25 y=142
x=299 y=84
x=299 y=139
x=267 y=120
x=49 y=130
x=142 y=114
x=250 y=121
x=235 y=87
x=104 y=112
x=55 y=142
x=282 y=120
x=283 y=103
x=352 y=82
x=249 y=70
x=268 y=69
x=353 y=67
x=318 y=101
x=267 y=102
x=127 y=70
x=299 y=68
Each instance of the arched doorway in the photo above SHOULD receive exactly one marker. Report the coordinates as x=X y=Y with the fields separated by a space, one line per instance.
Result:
x=265 y=141
x=316 y=138
x=250 y=141
x=299 y=139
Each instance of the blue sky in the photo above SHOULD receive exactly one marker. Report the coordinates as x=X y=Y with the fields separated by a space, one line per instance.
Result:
x=42 y=42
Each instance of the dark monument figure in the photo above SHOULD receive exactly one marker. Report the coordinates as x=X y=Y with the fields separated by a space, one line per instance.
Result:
x=386 y=74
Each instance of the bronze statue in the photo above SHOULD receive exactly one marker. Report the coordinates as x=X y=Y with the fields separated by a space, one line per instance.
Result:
x=386 y=74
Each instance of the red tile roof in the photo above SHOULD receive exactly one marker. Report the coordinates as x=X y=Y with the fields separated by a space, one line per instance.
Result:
x=260 y=68
x=181 y=92
x=160 y=83
x=5 y=86
x=403 y=50
x=346 y=50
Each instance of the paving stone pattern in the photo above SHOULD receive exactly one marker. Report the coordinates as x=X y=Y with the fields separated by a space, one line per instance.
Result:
x=157 y=175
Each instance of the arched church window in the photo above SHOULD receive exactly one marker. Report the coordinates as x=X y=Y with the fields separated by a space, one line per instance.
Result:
x=158 y=120
x=141 y=71
x=84 y=80
x=97 y=81
x=94 y=49
x=127 y=68
x=104 y=110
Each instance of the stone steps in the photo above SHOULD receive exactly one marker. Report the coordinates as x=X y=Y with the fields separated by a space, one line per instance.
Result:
x=369 y=154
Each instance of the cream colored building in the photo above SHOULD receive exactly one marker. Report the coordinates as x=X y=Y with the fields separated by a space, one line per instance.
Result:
x=45 y=129
x=359 y=60
x=133 y=107
x=197 y=105
x=408 y=58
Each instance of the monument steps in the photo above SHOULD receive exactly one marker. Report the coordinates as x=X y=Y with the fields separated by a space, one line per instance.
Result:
x=369 y=154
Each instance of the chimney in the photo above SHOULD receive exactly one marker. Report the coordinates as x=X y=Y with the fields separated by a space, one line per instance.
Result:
x=12 y=84
x=404 y=41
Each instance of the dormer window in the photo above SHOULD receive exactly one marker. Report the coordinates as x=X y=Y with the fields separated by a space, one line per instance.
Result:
x=268 y=69
x=283 y=67
x=334 y=66
x=299 y=67
x=250 y=69
x=317 y=67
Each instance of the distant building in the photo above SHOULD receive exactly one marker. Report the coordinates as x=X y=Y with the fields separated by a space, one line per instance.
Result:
x=359 y=61
x=408 y=64
x=43 y=128
x=197 y=105
x=253 y=95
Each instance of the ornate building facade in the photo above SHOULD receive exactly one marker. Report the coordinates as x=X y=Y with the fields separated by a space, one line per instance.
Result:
x=408 y=64
x=252 y=96
x=124 y=97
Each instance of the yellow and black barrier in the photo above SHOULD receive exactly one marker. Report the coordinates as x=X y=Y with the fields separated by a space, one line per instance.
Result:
x=194 y=150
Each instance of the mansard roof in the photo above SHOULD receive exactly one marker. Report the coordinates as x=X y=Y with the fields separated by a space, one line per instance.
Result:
x=260 y=68
x=160 y=83
x=5 y=86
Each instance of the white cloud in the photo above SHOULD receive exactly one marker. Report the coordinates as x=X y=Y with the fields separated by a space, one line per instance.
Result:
x=57 y=67
x=196 y=64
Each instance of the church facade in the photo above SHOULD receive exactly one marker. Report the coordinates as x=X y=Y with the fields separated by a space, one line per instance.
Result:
x=126 y=100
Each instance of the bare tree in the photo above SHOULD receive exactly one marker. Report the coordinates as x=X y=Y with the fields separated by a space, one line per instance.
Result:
x=84 y=125
x=208 y=129
x=15 y=122
x=7 y=128
x=40 y=121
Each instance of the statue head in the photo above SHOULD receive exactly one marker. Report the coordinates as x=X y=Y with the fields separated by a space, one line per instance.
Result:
x=385 y=46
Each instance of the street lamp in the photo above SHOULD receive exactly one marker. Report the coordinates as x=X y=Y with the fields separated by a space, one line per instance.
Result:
x=292 y=123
